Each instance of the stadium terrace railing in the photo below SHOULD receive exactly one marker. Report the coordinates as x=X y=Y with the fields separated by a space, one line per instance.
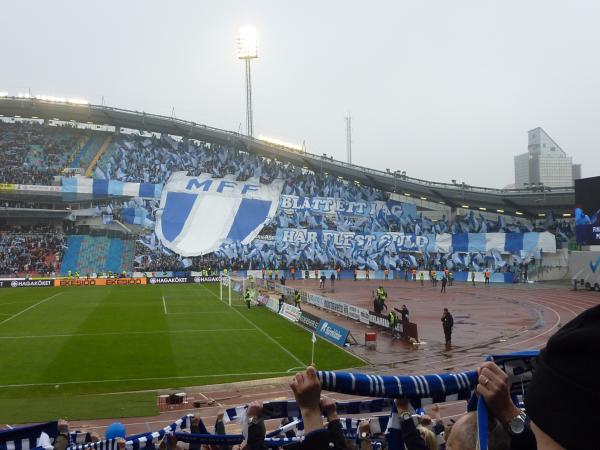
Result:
x=365 y=170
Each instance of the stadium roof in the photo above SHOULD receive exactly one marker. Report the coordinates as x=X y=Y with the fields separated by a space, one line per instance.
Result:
x=510 y=201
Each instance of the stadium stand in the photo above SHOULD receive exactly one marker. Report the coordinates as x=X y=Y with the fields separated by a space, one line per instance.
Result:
x=33 y=153
x=92 y=255
x=33 y=250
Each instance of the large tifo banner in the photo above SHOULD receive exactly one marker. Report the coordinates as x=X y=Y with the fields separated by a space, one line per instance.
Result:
x=512 y=243
x=197 y=214
x=331 y=205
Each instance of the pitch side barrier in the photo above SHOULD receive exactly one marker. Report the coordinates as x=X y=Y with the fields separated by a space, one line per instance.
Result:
x=87 y=282
x=346 y=274
x=326 y=328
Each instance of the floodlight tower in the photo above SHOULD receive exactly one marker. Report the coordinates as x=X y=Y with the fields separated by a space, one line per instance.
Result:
x=349 y=138
x=247 y=49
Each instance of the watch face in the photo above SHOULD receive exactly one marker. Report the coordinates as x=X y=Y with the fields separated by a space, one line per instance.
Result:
x=517 y=425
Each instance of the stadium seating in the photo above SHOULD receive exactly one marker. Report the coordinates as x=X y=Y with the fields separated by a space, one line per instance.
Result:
x=90 y=254
x=86 y=154
x=33 y=250
x=32 y=153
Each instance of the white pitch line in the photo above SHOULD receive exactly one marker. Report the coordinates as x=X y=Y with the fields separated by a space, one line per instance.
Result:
x=165 y=305
x=261 y=330
x=197 y=312
x=125 y=333
x=32 y=306
x=120 y=380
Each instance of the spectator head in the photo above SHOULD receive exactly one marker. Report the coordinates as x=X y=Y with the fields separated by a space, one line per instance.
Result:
x=429 y=437
x=463 y=435
x=565 y=389
x=446 y=310
x=115 y=430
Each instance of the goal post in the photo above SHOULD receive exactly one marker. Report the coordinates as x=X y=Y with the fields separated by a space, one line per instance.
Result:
x=225 y=281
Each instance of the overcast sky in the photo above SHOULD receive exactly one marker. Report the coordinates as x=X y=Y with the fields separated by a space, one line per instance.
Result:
x=442 y=89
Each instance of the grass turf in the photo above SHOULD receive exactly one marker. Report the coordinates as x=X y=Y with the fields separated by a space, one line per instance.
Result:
x=64 y=350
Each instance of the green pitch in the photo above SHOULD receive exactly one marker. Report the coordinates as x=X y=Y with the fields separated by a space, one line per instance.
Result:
x=99 y=352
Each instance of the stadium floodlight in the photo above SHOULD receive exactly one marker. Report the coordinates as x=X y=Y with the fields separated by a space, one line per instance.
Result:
x=247 y=43
x=518 y=213
x=500 y=210
x=247 y=50
x=465 y=206
x=53 y=98
x=281 y=143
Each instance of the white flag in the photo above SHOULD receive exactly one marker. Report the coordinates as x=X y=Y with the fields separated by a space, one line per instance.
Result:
x=314 y=338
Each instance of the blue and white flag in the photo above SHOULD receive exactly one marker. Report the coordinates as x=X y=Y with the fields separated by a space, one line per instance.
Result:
x=197 y=214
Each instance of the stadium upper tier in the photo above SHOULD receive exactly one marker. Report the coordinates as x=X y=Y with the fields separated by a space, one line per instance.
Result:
x=527 y=202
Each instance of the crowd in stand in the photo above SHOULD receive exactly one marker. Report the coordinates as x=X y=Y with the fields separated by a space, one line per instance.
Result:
x=153 y=159
x=35 y=249
x=33 y=154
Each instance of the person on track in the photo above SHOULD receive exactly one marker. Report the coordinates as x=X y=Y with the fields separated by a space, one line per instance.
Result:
x=447 y=325
x=248 y=297
x=297 y=299
x=404 y=313
x=444 y=282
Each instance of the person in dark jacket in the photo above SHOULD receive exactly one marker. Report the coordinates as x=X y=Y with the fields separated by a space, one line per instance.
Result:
x=404 y=313
x=447 y=325
x=444 y=281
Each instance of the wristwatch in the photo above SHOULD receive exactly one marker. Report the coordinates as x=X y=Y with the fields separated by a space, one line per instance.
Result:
x=517 y=426
x=405 y=415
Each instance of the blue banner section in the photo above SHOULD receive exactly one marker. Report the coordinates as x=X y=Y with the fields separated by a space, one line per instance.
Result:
x=23 y=438
x=103 y=188
x=393 y=243
x=336 y=205
x=135 y=216
x=332 y=332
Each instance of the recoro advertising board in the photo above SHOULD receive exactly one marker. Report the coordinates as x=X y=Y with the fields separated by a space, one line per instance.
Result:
x=332 y=332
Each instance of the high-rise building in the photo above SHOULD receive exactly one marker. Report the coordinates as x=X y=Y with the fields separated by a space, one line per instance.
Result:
x=544 y=163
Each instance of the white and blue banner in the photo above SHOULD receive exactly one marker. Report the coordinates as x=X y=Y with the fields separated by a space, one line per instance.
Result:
x=198 y=214
x=401 y=241
x=104 y=188
x=335 y=205
x=508 y=243
x=513 y=243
